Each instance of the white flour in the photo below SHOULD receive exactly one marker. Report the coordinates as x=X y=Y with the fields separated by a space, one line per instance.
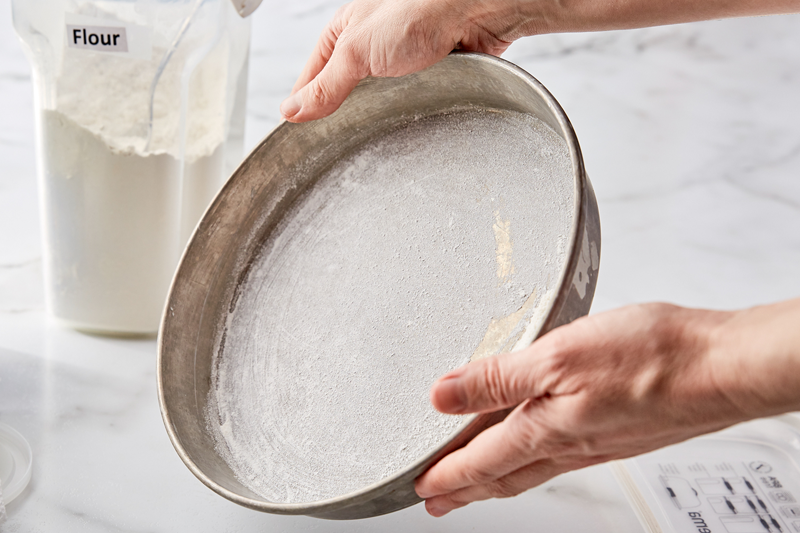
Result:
x=115 y=206
x=438 y=242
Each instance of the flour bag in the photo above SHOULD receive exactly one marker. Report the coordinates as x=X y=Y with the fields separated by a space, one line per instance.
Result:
x=139 y=106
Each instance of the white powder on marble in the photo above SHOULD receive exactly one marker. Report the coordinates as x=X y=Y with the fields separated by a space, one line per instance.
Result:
x=386 y=275
x=116 y=209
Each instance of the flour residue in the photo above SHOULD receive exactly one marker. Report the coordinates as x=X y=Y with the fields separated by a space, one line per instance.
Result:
x=379 y=280
x=502 y=237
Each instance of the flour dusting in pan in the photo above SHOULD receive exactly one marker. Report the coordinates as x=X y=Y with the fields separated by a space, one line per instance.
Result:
x=439 y=242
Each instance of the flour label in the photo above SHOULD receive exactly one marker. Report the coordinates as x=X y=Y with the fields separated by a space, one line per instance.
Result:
x=110 y=36
x=98 y=38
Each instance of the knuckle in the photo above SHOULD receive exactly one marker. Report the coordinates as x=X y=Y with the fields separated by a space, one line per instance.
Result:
x=321 y=94
x=556 y=363
x=661 y=322
x=345 y=44
x=503 y=488
x=559 y=341
x=585 y=446
x=536 y=434
x=659 y=308
x=342 y=14
x=380 y=63
x=456 y=499
x=351 y=52
x=327 y=42
x=570 y=436
x=528 y=435
x=474 y=474
x=416 y=25
x=334 y=29
x=493 y=382
x=438 y=487
x=657 y=316
x=585 y=408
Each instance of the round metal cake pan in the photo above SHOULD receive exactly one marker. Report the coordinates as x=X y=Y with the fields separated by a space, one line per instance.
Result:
x=250 y=205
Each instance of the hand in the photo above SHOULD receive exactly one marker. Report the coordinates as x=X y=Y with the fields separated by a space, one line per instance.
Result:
x=398 y=37
x=392 y=38
x=611 y=386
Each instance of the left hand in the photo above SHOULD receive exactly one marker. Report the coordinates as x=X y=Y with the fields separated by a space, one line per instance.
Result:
x=391 y=38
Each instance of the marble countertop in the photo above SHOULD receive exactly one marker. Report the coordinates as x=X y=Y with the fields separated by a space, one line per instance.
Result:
x=691 y=136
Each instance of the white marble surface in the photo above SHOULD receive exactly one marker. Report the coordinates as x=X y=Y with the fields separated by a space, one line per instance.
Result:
x=691 y=136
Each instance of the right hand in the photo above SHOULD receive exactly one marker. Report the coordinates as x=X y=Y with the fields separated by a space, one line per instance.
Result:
x=390 y=38
x=610 y=386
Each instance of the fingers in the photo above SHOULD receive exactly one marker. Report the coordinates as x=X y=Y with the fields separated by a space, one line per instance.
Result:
x=322 y=51
x=330 y=74
x=494 y=383
x=381 y=38
x=319 y=58
x=325 y=93
x=507 y=486
x=494 y=453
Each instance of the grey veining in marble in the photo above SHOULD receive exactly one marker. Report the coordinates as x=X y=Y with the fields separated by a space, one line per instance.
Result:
x=691 y=136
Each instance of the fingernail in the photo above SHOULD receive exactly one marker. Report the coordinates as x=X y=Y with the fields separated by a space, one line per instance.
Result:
x=450 y=395
x=437 y=511
x=291 y=106
x=424 y=494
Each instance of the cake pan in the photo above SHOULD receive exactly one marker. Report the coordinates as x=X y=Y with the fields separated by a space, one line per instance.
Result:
x=249 y=207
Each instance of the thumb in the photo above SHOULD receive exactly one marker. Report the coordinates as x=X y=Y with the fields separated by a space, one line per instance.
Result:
x=325 y=93
x=492 y=384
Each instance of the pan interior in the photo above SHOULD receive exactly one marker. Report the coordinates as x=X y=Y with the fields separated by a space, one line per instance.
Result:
x=437 y=242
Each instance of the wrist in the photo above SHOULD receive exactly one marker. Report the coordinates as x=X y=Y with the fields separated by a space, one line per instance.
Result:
x=507 y=20
x=757 y=352
x=700 y=387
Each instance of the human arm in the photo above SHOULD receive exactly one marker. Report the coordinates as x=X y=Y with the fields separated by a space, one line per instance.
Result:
x=397 y=37
x=610 y=386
